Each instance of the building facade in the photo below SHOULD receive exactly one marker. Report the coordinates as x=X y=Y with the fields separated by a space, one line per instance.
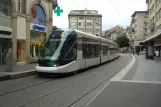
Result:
x=139 y=25
x=86 y=20
x=24 y=27
x=153 y=40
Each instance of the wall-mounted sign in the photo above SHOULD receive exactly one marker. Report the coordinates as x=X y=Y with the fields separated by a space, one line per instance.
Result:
x=36 y=27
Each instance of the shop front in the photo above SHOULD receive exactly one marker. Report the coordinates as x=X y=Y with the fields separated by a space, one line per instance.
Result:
x=37 y=40
x=38 y=31
x=152 y=44
x=4 y=47
x=5 y=29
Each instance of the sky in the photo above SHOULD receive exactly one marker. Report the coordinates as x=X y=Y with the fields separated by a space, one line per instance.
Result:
x=116 y=13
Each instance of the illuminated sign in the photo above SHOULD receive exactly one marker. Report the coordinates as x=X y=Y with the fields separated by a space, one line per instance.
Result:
x=35 y=27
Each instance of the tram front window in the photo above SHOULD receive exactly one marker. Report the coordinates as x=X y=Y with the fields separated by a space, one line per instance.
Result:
x=60 y=46
x=51 y=47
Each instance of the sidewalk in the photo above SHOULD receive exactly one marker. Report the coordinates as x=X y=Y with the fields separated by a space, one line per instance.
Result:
x=18 y=71
x=145 y=70
x=139 y=87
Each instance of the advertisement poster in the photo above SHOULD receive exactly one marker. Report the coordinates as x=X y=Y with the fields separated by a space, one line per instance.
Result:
x=37 y=15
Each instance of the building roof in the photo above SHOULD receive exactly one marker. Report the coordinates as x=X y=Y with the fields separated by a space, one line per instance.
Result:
x=83 y=10
x=78 y=14
x=138 y=12
x=116 y=29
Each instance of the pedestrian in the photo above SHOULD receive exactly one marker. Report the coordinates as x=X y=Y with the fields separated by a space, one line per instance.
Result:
x=156 y=55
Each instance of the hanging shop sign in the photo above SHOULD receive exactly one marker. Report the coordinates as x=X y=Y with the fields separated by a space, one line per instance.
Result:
x=36 y=27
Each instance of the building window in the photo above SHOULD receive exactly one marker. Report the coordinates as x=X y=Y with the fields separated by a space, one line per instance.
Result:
x=157 y=2
x=88 y=12
x=73 y=18
x=97 y=24
x=152 y=9
x=73 y=23
x=158 y=15
x=21 y=6
x=80 y=23
x=5 y=7
x=89 y=24
x=73 y=28
x=88 y=29
x=145 y=24
x=96 y=18
x=97 y=30
x=88 y=18
x=81 y=29
x=80 y=18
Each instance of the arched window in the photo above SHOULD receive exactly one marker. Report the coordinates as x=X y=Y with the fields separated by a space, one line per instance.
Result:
x=38 y=15
x=5 y=7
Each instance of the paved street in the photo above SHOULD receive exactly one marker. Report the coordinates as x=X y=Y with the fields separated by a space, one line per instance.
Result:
x=140 y=87
x=35 y=91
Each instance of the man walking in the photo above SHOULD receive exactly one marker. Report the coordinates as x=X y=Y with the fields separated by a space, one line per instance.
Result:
x=156 y=55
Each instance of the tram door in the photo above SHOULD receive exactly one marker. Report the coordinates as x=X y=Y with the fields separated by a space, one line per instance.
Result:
x=4 y=47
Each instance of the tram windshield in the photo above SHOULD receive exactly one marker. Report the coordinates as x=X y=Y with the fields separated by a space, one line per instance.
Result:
x=56 y=44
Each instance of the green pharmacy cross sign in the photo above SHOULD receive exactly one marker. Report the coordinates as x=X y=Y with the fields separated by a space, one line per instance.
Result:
x=58 y=11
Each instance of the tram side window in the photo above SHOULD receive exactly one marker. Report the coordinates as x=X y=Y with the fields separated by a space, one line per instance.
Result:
x=90 y=50
x=105 y=50
x=84 y=49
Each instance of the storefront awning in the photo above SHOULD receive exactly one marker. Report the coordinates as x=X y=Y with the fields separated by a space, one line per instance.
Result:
x=152 y=37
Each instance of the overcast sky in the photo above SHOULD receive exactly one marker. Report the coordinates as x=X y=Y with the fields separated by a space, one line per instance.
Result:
x=110 y=17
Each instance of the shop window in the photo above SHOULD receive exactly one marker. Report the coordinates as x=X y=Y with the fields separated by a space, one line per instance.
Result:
x=21 y=51
x=5 y=7
x=37 y=40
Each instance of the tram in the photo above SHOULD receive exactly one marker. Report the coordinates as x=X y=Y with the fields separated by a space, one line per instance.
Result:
x=70 y=50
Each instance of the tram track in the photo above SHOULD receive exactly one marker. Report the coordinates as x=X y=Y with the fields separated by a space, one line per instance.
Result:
x=33 y=85
x=25 y=87
x=54 y=91
x=57 y=89
x=105 y=81
x=71 y=83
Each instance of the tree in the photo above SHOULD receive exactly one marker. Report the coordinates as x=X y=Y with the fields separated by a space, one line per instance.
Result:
x=122 y=40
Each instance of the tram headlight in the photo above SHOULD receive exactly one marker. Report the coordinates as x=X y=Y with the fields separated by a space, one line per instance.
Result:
x=55 y=65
